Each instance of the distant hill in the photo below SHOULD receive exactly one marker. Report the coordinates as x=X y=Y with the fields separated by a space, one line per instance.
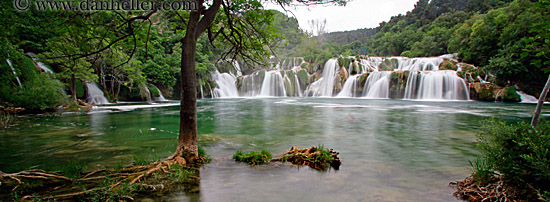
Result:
x=346 y=37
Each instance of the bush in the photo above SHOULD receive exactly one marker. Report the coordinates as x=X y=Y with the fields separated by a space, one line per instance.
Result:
x=517 y=152
x=41 y=94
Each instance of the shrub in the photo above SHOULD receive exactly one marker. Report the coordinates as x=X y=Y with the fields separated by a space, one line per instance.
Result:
x=41 y=94
x=517 y=152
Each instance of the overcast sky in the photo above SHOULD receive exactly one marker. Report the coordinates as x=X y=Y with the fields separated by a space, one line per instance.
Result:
x=355 y=15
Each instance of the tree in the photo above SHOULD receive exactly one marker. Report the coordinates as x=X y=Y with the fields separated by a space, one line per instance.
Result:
x=238 y=22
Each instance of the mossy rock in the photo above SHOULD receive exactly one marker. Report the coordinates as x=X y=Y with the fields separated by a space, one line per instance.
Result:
x=302 y=77
x=448 y=65
x=155 y=92
x=510 y=95
x=397 y=84
x=261 y=73
x=388 y=65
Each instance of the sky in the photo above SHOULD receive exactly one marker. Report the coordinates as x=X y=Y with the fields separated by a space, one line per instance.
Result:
x=355 y=15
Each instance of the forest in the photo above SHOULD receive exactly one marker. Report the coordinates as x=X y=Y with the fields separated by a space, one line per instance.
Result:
x=506 y=38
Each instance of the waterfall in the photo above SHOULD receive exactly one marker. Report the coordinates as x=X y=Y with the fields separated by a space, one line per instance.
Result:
x=251 y=85
x=325 y=85
x=411 y=87
x=377 y=85
x=161 y=97
x=436 y=85
x=13 y=70
x=44 y=67
x=350 y=87
x=419 y=64
x=273 y=84
x=237 y=67
x=525 y=98
x=202 y=92
x=225 y=85
x=95 y=95
x=297 y=86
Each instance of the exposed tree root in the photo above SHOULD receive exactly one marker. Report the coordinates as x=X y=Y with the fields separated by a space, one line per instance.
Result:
x=316 y=158
x=496 y=190
x=54 y=186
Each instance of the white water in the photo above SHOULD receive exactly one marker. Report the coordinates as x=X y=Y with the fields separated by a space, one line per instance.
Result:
x=250 y=85
x=350 y=87
x=44 y=67
x=297 y=84
x=425 y=81
x=526 y=98
x=237 y=67
x=161 y=97
x=377 y=85
x=273 y=85
x=13 y=70
x=325 y=85
x=225 y=85
x=437 y=85
x=95 y=95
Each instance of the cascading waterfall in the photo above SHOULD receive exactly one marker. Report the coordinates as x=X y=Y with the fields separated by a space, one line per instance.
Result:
x=13 y=70
x=95 y=95
x=424 y=80
x=161 y=97
x=436 y=85
x=273 y=85
x=377 y=85
x=525 y=98
x=419 y=64
x=325 y=86
x=350 y=87
x=297 y=86
x=251 y=85
x=202 y=92
x=225 y=85
x=411 y=87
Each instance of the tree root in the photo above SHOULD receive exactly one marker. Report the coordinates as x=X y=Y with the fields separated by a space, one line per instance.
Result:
x=316 y=158
x=496 y=190
x=94 y=180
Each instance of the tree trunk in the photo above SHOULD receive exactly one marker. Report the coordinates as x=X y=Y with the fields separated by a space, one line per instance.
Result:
x=543 y=94
x=187 y=141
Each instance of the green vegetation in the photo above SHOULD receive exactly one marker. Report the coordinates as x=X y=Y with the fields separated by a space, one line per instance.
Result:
x=317 y=158
x=253 y=158
x=517 y=153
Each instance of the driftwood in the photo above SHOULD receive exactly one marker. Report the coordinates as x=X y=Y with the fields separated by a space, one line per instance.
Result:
x=496 y=190
x=316 y=158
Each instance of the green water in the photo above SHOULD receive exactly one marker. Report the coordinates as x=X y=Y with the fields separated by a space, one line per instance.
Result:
x=392 y=150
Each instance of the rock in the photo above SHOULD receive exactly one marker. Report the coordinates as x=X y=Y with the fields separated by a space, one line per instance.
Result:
x=484 y=91
x=510 y=95
x=448 y=65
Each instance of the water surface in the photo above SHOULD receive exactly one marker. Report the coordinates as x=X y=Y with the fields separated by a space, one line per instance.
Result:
x=392 y=150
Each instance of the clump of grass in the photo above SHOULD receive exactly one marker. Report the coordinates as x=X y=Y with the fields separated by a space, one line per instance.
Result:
x=317 y=158
x=253 y=158
x=141 y=161
x=71 y=169
x=181 y=174
x=202 y=154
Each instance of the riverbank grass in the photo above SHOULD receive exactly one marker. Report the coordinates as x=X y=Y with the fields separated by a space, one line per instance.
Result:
x=514 y=164
x=69 y=182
